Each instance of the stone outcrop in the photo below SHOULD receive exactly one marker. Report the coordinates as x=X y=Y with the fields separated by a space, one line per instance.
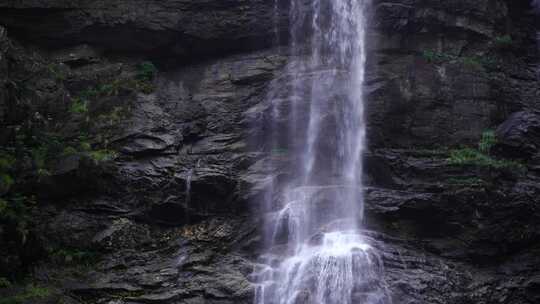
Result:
x=519 y=136
x=180 y=27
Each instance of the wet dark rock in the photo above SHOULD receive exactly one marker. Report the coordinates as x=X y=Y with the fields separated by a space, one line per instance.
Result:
x=180 y=264
x=185 y=28
x=144 y=144
x=519 y=136
x=480 y=209
x=174 y=216
x=78 y=56
x=121 y=233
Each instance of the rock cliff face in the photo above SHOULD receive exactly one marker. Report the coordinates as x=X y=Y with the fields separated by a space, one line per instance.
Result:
x=179 y=27
x=156 y=201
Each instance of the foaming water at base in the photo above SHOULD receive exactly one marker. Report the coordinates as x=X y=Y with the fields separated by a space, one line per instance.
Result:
x=338 y=267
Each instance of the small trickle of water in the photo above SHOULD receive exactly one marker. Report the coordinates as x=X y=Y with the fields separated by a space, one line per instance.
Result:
x=189 y=179
x=188 y=186
x=276 y=22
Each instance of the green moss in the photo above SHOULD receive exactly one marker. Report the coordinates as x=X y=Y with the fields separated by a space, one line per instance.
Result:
x=503 y=42
x=78 y=106
x=110 y=89
x=145 y=87
x=68 y=256
x=113 y=117
x=6 y=181
x=3 y=206
x=466 y=181
x=472 y=63
x=142 y=82
x=31 y=292
x=487 y=141
x=489 y=62
x=41 y=173
x=475 y=62
x=89 y=93
x=280 y=151
x=468 y=156
x=40 y=156
x=4 y=283
x=68 y=151
x=16 y=213
x=85 y=146
x=6 y=161
x=103 y=155
x=481 y=156
x=57 y=71
x=437 y=57
x=146 y=71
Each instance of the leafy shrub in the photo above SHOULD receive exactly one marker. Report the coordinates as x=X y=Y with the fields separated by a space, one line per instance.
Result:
x=15 y=212
x=110 y=89
x=4 y=283
x=30 y=294
x=40 y=156
x=481 y=156
x=58 y=71
x=79 y=106
x=145 y=87
x=489 y=62
x=472 y=62
x=487 y=141
x=42 y=173
x=6 y=181
x=468 y=156
x=73 y=256
x=68 y=151
x=113 y=117
x=89 y=93
x=146 y=71
x=3 y=206
x=103 y=155
x=7 y=162
x=85 y=146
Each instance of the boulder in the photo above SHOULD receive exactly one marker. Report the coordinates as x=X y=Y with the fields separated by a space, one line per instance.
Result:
x=519 y=136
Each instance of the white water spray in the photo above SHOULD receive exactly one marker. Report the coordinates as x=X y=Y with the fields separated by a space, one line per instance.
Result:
x=316 y=252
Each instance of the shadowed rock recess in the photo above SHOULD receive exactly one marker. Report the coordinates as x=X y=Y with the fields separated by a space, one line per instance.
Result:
x=132 y=160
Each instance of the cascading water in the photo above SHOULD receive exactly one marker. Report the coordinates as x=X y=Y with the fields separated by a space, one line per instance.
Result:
x=316 y=252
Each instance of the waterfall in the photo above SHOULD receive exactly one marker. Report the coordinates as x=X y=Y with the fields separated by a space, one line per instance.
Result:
x=315 y=250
